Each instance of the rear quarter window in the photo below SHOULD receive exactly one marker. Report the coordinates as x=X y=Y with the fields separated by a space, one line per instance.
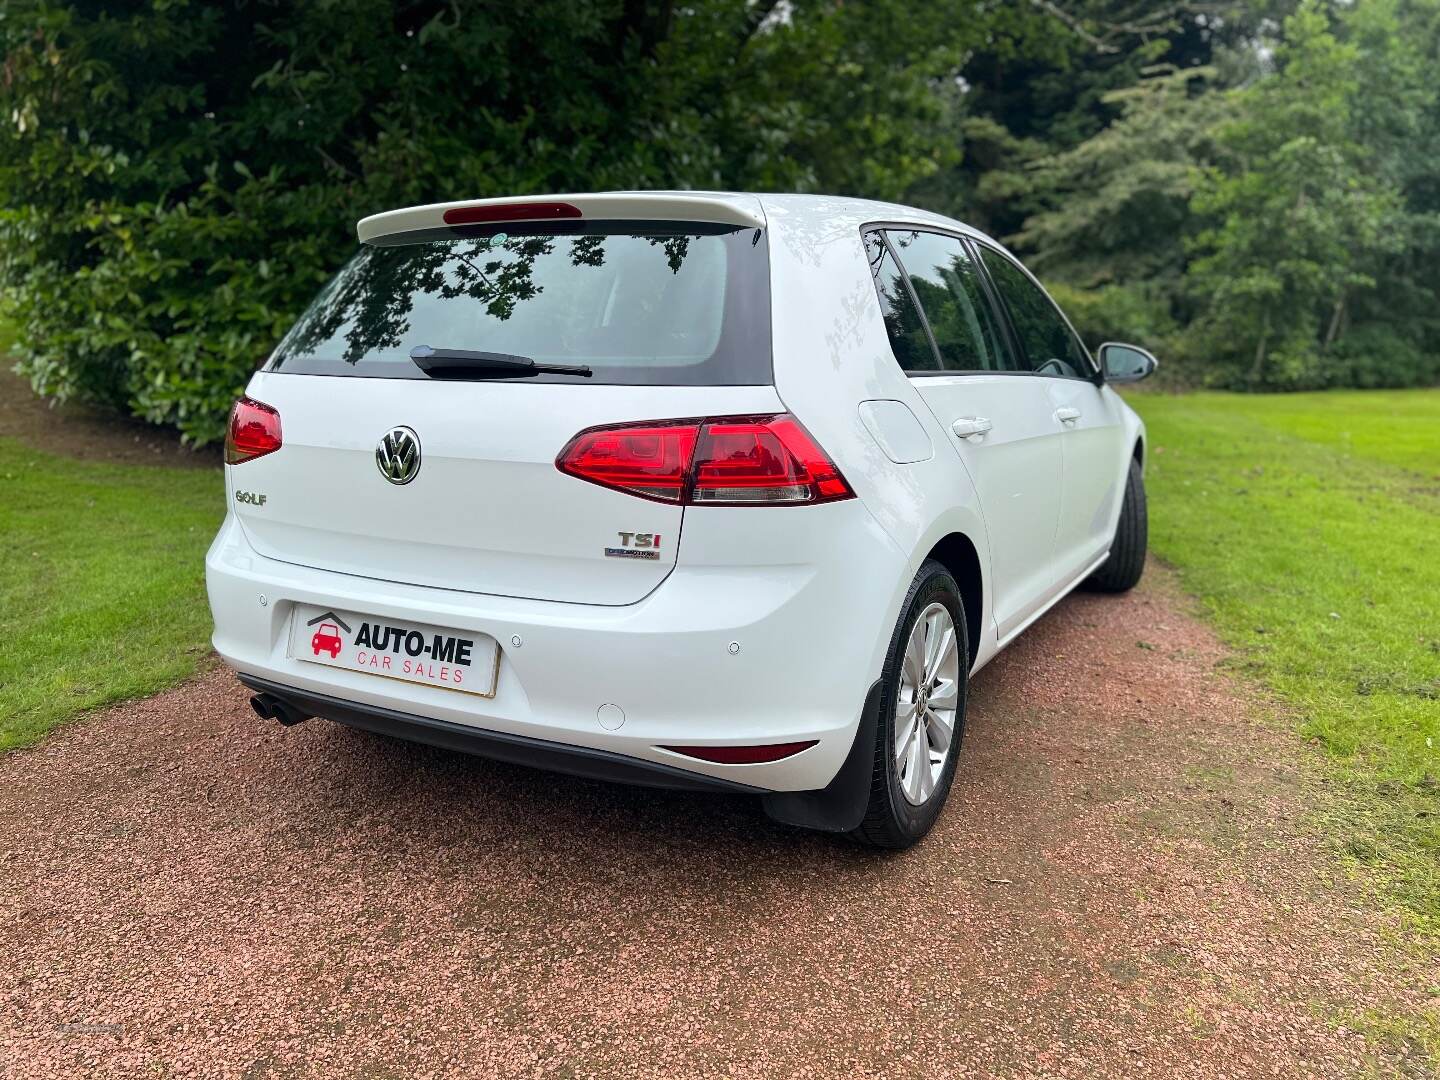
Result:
x=904 y=325
x=660 y=303
x=947 y=285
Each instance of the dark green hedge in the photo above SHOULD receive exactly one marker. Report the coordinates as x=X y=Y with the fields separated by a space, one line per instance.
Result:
x=178 y=178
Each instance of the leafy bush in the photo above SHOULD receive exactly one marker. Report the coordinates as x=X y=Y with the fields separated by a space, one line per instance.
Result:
x=1130 y=313
x=181 y=175
x=1282 y=197
x=177 y=177
x=1375 y=356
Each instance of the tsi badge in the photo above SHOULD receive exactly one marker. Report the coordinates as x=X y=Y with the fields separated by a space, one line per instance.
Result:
x=634 y=545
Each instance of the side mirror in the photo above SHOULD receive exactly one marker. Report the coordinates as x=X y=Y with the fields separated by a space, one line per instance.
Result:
x=1125 y=363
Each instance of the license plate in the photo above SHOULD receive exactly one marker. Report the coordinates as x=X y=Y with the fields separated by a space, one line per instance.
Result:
x=454 y=659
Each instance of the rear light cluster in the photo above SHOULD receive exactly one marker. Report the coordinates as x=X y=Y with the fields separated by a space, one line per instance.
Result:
x=719 y=461
x=254 y=431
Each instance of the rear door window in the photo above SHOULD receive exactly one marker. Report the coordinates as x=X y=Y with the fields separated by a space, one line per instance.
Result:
x=1051 y=347
x=640 y=303
x=948 y=285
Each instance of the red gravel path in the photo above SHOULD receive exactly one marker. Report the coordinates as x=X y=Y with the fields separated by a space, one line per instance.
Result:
x=1125 y=883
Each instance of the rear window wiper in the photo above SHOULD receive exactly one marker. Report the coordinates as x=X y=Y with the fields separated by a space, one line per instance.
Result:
x=468 y=364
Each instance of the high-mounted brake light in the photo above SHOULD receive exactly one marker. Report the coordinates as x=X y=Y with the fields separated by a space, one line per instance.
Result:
x=254 y=431
x=720 y=461
x=530 y=211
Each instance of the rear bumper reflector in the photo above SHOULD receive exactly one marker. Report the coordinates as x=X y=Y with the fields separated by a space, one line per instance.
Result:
x=743 y=755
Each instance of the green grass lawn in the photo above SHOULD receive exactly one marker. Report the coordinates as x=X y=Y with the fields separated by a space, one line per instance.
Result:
x=1309 y=526
x=102 y=594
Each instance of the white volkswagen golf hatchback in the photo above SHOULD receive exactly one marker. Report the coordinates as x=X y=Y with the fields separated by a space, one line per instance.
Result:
x=708 y=491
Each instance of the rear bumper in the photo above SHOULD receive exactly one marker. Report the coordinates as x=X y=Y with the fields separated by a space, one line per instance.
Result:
x=810 y=628
x=515 y=749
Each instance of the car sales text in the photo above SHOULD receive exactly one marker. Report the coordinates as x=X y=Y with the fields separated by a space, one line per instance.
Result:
x=379 y=646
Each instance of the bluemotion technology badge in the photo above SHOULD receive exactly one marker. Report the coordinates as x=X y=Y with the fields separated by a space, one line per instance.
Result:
x=398 y=455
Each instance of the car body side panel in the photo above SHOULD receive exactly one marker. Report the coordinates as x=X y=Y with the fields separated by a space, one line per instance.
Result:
x=1092 y=487
x=831 y=353
x=1132 y=433
x=1114 y=411
x=1016 y=468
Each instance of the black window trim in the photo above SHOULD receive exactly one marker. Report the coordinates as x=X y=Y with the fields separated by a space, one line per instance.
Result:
x=973 y=245
x=997 y=305
x=1094 y=376
x=882 y=229
x=914 y=299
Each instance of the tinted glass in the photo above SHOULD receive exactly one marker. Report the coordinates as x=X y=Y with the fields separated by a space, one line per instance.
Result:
x=908 y=339
x=948 y=286
x=1050 y=347
x=673 y=304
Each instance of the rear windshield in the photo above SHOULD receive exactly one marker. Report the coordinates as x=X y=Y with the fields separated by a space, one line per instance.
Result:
x=640 y=303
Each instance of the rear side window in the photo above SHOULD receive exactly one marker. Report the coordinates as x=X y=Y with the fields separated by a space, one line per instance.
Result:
x=640 y=303
x=947 y=283
x=1050 y=346
x=908 y=339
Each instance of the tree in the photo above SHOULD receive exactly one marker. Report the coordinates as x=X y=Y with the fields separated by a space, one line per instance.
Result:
x=177 y=177
x=1116 y=208
x=180 y=176
x=1019 y=108
x=1306 y=211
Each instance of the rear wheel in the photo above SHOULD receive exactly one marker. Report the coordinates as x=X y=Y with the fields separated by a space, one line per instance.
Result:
x=922 y=713
x=1122 y=570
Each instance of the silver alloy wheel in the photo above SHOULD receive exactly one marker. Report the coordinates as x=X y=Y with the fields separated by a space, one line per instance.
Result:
x=925 y=709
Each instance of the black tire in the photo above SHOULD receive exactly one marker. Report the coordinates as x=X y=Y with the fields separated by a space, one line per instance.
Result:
x=891 y=821
x=1122 y=570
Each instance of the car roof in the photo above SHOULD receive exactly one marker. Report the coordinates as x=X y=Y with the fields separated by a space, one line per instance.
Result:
x=829 y=208
x=744 y=209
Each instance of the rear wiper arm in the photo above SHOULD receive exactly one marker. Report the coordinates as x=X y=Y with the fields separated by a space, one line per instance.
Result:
x=468 y=364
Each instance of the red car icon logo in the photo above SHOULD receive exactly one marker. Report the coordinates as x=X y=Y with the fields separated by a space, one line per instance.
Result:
x=327 y=639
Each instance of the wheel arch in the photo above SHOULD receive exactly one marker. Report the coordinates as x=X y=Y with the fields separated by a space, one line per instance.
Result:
x=840 y=806
x=958 y=554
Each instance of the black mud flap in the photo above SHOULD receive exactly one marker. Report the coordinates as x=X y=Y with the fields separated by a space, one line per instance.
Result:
x=840 y=806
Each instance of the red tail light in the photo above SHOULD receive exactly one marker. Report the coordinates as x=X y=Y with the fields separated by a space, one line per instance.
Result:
x=743 y=755
x=652 y=460
x=254 y=431
x=722 y=461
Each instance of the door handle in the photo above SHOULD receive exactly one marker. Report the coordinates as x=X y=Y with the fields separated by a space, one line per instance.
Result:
x=970 y=425
x=1067 y=415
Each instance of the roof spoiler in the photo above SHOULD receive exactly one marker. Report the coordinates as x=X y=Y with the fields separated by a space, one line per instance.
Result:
x=741 y=210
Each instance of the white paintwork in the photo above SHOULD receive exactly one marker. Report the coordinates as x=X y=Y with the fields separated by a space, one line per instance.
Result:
x=491 y=538
x=1015 y=465
x=723 y=207
x=896 y=431
x=488 y=512
x=1093 y=423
